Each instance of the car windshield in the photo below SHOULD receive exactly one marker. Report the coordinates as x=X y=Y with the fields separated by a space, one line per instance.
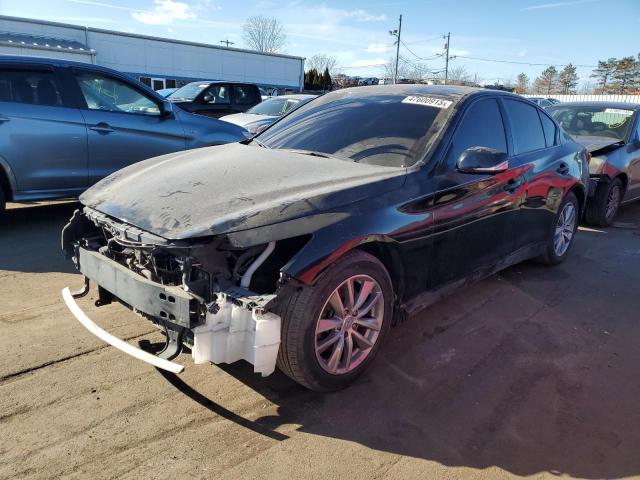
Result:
x=389 y=129
x=593 y=121
x=274 y=107
x=189 y=91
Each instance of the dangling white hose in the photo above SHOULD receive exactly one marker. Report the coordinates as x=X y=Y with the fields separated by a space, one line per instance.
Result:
x=246 y=278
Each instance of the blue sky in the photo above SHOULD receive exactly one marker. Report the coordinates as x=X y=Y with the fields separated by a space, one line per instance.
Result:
x=356 y=32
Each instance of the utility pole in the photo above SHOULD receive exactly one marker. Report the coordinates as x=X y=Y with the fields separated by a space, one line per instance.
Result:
x=446 y=62
x=396 y=33
x=227 y=42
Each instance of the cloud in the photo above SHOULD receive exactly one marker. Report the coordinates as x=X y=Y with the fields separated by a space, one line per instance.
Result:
x=374 y=62
x=558 y=4
x=522 y=53
x=164 y=12
x=364 y=16
x=377 y=48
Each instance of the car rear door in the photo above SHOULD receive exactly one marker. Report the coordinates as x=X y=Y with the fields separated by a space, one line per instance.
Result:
x=475 y=215
x=215 y=101
x=245 y=97
x=124 y=123
x=546 y=165
x=43 y=137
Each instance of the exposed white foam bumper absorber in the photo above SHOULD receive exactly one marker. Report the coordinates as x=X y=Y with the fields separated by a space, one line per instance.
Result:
x=235 y=333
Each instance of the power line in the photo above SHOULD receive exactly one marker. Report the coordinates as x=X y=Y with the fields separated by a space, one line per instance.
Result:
x=433 y=57
x=524 y=63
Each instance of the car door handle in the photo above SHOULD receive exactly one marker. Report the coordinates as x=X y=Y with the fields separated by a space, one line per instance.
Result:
x=563 y=169
x=102 y=128
x=513 y=185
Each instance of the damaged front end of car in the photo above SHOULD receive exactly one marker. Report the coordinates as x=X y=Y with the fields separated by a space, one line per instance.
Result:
x=214 y=297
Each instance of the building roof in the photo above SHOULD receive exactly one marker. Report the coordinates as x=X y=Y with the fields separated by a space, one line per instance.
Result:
x=145 y=37
x=40 y=41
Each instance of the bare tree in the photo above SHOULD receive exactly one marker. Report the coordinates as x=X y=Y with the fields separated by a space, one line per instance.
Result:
x=320 y=62
x=522 y=83
x=264 y=34
x=406 y=69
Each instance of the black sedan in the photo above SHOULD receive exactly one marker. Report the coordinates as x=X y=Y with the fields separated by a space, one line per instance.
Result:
x=611 y=133
x=301 y=247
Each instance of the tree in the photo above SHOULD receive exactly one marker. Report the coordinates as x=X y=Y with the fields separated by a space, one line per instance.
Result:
x=326 y=79
x=522 y=83
x=407 y=69
x=604 y=73
x=264 y=34
x=547 y=82
x=320 y=62
x=458 y=76
x=568 y=80
x=626 y=75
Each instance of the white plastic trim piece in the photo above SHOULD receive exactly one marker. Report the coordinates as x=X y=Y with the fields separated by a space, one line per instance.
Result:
x=246 y=278
x=115 y=341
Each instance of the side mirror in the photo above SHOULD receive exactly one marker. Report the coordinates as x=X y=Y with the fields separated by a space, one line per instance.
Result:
x=482 y=160
x=207 y=98
x=166 y=109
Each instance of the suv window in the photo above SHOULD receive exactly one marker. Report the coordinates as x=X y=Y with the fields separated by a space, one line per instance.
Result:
x=481 y=126
x=549 y=129
x=526 y=126
x=218 y=95
x=111 y=94
x=244 y=95
x=29 y=86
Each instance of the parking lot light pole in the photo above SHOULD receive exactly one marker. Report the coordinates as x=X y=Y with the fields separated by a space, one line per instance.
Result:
x=446 y=62
x=396 y=33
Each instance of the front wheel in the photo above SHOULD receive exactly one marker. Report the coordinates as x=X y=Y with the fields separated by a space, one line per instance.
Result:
x=563 y=232
x=332 y=331
x=603 y=207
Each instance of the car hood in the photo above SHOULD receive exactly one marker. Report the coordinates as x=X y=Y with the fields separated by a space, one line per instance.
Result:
x=595 y=143
x=234 y=187
x=243 y=119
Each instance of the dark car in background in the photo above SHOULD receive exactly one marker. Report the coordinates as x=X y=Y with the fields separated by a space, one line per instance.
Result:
x=268 y=112
x=611 y=133
x=300 y=246
x=215 y=99
x=65 y=125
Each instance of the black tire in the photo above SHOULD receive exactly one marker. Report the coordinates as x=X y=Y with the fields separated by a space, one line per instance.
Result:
x=3 y=203
x=550 y=256
x=598 y=211
x=300 y=310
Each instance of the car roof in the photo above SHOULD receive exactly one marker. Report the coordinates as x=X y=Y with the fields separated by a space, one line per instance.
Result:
x=451 y=92
x=620 y=105
x=227 y=82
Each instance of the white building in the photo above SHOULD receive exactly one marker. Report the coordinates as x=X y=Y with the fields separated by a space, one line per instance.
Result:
x=158 y=62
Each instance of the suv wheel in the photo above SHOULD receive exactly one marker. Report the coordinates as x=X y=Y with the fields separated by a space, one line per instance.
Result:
x=3 y=202
x=332 y=331
x=563 y=232
x=603 y=208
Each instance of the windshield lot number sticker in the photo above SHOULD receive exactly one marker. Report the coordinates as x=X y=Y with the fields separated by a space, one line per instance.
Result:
x=427 y=101
x=618 y=110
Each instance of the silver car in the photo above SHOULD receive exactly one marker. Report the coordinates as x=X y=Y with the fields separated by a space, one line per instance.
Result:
x=259 y=117
x=66 y=125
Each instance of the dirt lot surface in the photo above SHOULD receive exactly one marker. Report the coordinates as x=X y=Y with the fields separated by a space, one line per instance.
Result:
x=530 y=373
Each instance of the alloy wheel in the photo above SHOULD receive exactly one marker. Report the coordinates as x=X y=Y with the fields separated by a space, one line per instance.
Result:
x=349 y=324
x=613 y=201
x=565 y=229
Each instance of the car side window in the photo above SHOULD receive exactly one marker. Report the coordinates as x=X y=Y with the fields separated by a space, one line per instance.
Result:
x=30 y=86
x=525 y=125
x=481 y=126
x=549 y=129
x=106 y=93
x=218 y=95
x=243 y=95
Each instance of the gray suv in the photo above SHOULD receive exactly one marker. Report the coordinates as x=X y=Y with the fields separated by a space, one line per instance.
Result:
x=65 y=125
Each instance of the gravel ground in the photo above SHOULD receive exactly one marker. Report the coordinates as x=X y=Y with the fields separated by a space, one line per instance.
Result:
x=533 y=372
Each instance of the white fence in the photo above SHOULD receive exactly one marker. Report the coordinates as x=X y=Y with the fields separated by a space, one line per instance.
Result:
x=592 y=98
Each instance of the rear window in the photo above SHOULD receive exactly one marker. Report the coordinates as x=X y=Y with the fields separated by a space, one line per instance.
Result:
x=245 y=94
x=29 y=86
x=526 y=126
x=390 y=129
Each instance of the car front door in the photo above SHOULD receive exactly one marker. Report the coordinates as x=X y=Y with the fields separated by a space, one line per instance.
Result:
x=475 y=215
x=125 y=124
x=43 y=138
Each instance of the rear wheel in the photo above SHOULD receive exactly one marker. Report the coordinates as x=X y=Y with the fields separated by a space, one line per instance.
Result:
x=603 y=207
x=332 y=331
x=563 y=232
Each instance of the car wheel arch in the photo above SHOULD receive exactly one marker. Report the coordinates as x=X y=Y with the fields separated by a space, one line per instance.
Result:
x=7 y=180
